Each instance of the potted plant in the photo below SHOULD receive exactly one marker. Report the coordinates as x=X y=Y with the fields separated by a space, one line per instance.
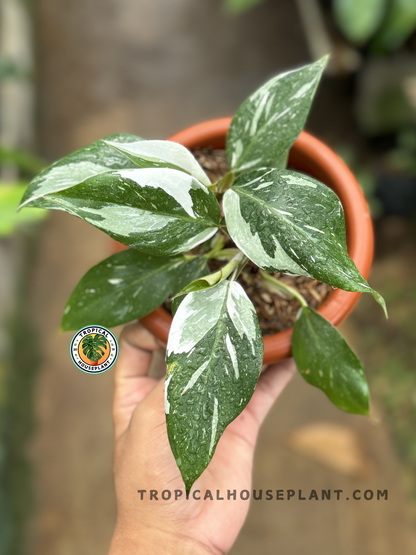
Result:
x=256 y=221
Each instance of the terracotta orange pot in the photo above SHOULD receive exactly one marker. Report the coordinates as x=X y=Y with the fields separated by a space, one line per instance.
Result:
x=311 y=156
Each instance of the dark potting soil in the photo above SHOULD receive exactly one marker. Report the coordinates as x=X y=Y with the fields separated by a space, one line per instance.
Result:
x=274 y=312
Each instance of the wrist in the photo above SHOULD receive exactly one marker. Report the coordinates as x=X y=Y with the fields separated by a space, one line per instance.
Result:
x=154 y=541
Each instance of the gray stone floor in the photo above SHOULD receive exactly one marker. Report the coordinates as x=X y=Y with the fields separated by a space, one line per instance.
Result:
x=153 y=68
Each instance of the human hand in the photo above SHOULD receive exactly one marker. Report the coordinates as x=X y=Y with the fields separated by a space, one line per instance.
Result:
x=143 y=459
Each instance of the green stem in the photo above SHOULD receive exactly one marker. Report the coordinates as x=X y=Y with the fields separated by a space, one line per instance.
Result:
x=235 y=265
x=280 y=286
x=222 y=254
x=241 y=262
x=225 y=182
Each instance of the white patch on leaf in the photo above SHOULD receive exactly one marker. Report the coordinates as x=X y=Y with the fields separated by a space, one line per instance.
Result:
x=214 y=425
x=195 y=376
x=159 y=152
x=241 y=311
x=167 y=404
x=233 y=355
x=174 y=182
x=197 y=314
x=115 y=281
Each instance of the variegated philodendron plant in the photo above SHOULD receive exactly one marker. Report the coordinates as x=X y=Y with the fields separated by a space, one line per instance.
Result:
x=154 y=197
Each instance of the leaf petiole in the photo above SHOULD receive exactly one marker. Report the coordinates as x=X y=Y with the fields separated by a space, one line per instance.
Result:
x=223 y=254
x=241 y=260
x=281 y=288
x=225 y=182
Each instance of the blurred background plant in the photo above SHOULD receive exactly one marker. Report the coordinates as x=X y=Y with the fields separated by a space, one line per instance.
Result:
x=17 y=240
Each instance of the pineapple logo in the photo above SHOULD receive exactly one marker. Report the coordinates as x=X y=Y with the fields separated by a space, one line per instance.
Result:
x=94 y=349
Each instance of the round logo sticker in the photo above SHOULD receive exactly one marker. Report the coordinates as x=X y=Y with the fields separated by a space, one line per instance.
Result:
x=94 y=349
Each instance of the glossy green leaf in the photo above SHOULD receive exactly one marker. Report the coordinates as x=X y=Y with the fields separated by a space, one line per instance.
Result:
x=165 y=154
x=214 y=357
x=326 y=361
x=127 y=286
x=359 y=19
x=159 y=211
x=266 y=124
x=285 y=221
x=75 y=168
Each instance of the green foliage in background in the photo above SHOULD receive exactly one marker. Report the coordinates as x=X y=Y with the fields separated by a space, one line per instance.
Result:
x=403 y=157
x=239 y=6
x=399 y=24
x=388 y=347
x=386 y=23
x=11 y=193
x=359 y=19
x=10 y=196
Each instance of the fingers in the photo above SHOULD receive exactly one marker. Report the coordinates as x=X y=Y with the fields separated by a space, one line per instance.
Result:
x=132 y=383
x=137 y=346
x=271 y=383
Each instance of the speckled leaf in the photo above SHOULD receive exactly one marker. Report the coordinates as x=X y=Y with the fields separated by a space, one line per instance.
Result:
x=159 y=211
x=214 y=357
x=266 y=124
x=285 y=221
x=165 y=154
x=94 y=159
x=127 y=286
x=326 y=361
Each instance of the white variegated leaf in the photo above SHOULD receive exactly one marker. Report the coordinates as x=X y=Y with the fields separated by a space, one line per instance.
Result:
x=266 y=124
x=75 y=168
x=285 y=221
x=166 y=154
x=157 y=210
x=214 y=357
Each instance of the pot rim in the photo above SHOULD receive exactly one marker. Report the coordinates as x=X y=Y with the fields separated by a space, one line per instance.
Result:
x=309 y=155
